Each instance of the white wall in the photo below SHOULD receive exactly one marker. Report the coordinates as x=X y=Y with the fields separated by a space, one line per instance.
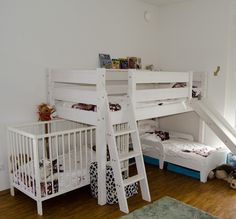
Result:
x=231 y=80
x=59 y=33
x=193 y=35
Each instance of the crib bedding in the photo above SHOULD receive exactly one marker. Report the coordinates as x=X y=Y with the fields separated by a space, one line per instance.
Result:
x=68 y=176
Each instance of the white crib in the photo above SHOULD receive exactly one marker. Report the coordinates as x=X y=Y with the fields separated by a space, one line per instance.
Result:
x=50 y=158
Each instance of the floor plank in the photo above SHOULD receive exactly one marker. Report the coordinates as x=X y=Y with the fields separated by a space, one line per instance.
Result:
x=215 y=197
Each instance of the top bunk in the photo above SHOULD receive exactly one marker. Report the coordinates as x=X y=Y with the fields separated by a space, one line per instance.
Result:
x=79 y=95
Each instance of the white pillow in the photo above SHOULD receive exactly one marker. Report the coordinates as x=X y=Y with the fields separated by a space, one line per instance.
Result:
x=147 y=126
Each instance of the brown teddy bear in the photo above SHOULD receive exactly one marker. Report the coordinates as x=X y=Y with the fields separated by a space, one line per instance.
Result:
x=225 y=172
x=45 y=112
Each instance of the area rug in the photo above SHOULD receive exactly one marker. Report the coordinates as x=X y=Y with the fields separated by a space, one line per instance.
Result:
x=168 y=208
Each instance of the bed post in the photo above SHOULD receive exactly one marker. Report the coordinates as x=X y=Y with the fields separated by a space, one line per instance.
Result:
x=132 y=86
x=10 y=161
x=49 y=87
x=101 y=137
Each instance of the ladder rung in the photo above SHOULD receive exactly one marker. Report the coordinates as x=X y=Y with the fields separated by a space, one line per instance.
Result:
x=128 y=155
x=124 y=132
x=132 y=179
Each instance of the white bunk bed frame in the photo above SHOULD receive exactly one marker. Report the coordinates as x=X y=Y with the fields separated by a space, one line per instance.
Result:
x=93 y=86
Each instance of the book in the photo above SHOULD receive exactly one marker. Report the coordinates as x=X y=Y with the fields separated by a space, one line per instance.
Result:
x=105 y=61
x=124 y=63
x=134 y=62
x=115 y=63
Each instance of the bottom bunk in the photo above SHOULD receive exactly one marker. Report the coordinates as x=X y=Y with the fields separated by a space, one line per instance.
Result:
x=180 y=149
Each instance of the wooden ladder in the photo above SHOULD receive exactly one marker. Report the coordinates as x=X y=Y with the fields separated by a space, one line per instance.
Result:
x=135 y=152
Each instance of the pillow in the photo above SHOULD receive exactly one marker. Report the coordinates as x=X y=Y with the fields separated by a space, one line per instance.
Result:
x=147 y=126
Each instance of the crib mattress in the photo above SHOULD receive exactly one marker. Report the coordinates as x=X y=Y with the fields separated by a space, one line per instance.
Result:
x=73 y=173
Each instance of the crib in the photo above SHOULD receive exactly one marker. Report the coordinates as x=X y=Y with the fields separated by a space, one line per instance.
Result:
x=47 y=159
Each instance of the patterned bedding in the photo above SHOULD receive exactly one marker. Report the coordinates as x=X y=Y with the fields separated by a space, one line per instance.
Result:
x=72 y=172
x=179 y=147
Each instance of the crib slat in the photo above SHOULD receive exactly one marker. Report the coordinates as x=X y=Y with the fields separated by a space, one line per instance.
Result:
x=63 y=153
x=23 y=161
x=80 y=149
x=69 y=152
x=58 y=165
x=86 y=149
x=75 y=153
x=44 y=167
x=14 y=157
x=50 y=160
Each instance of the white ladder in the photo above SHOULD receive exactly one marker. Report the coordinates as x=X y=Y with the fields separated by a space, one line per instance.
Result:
x=116 y=158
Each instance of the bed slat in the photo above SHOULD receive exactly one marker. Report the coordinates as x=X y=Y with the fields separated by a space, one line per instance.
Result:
x=160 y=77
x=161 y=94
x=75 y=95
x=75 y=76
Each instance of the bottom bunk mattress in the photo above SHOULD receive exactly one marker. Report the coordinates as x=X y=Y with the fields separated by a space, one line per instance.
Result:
x=176 y=147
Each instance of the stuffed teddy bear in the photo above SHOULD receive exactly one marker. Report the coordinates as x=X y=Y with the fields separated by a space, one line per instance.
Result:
x=225 y=172
x=45 y=112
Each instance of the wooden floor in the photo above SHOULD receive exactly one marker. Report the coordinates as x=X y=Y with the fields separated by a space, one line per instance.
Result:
x=214 y=196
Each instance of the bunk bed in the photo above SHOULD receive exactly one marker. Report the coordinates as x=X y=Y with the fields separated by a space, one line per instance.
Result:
x=82 y=96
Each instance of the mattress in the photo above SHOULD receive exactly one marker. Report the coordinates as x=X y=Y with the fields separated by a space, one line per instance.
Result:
x=176 y=147
x=67 y=177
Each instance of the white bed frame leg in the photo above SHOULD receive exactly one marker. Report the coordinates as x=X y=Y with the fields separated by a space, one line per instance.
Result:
x=12 y=191
x=203 y=176
x=40 y=208
x=161 y=164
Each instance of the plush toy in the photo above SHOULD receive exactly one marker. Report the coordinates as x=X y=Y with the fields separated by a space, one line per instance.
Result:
x=45 y=112
x=225 y=172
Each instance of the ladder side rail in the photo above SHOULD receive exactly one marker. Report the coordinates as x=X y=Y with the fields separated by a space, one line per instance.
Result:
x=115 y=163
x=139 y=159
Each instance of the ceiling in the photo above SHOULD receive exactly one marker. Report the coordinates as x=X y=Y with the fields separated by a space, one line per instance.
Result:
x=163 y=2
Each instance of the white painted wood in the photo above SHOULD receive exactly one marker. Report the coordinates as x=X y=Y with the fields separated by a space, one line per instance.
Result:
x=138 y=159
x=75 y=95
x=74 y=76
x=116 y=75
x=161 y=77
x=133 y=179
x=26 y=153
x=190 y=85
x=87 y=117
x=119 y=116
x=101 y=137
x=159 y=111
x=115 y=163
x=217 y=123
x=116 y=89
x=161 y=94
x=116 y=157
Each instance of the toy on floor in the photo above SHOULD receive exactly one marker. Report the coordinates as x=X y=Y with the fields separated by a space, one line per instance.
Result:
x=225 y=172
x=45 y=112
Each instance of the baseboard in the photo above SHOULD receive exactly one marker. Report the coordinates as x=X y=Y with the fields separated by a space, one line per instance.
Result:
x=4 y=192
